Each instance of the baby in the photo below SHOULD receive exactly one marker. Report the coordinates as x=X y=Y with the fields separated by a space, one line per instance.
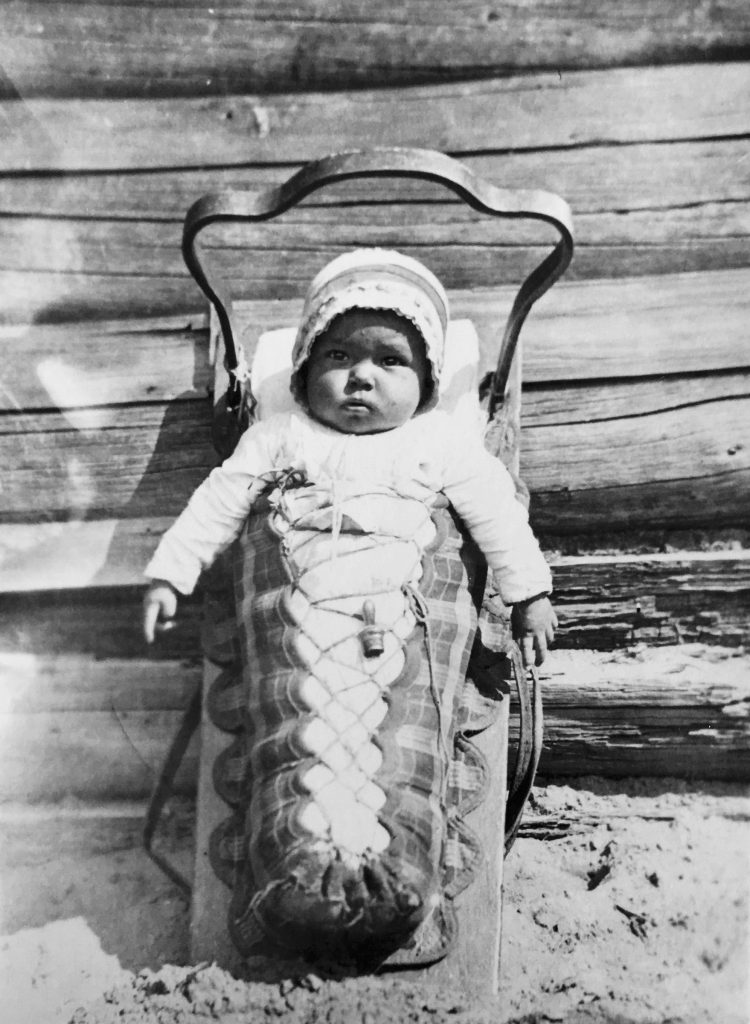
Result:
x=365 y=378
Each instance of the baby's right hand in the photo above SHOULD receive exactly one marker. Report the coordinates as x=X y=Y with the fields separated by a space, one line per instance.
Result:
x=159 y=608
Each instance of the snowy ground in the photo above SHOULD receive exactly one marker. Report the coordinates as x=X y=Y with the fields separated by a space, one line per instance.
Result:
x=630 y=906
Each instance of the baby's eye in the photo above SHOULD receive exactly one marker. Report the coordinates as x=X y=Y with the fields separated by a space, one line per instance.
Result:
x=394 y=361
x=336 y=355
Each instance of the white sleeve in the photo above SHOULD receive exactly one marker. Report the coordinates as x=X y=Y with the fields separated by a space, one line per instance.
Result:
x=214 y=515
x=482 y=492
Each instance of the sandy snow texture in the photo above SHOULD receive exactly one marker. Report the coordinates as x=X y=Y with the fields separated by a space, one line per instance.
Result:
x=630 y=908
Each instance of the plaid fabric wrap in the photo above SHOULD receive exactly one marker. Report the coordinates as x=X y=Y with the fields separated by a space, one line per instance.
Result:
x=293 y=885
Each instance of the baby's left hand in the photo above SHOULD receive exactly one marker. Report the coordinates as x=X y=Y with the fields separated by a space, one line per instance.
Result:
x=534 y=623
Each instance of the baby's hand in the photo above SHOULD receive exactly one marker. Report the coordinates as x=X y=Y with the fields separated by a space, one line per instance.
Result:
x=534 y=623
x=159 y=608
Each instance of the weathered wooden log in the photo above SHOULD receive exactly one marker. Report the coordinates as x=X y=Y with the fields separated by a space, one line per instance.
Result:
x=688 y=715
x=63 y=269
x=104 y=363
x=669 y=466
x=529 y=111
x=98 y=729
x=593 y=330
x=71 y=683
x=116 y=253
x=88 y=755
x=53 y=297
x=120 y=460
x=98 y=622
x=185 y=49
x=593 y=178
x=607 y=602
x=691 y=468
x=253 y=252
x=602 y=603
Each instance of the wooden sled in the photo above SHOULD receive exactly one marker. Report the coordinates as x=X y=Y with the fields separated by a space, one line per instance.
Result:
x=472 y=965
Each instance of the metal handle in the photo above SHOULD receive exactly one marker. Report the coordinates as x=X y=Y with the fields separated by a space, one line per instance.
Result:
x=424 y=164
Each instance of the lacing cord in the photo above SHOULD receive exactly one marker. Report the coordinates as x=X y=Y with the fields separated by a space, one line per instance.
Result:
x=421 y=612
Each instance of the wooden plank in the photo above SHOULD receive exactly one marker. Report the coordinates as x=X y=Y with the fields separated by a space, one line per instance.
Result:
x=209 y=905
x=90 y=755
x=124 y=461
x=552 y=404
x=308 y=236
x=104 y=363
x=606 y=603
x=672 y=466
x=99 y=623
x=101 y=272
x=674 y=711
x=112 y=553
x=678 y=677
x=473 y=967
x=602 y=604
x=593 y=178
x=637 y=327
x=34 y=835
x=529 y=111
x=685 y=503
x=686 y=465
x=597 y=329
x=101 y=49
x=33 y=683
x=51 y=297
x=78 y=553
x=637 y=751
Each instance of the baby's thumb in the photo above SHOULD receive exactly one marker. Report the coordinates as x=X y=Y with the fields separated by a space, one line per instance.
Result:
x=527 y=650
x=150 y=616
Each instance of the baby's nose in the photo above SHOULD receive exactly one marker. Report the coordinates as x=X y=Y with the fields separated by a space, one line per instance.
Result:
x=361 y=373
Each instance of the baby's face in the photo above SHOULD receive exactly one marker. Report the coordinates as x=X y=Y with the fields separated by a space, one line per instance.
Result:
x=367 y=373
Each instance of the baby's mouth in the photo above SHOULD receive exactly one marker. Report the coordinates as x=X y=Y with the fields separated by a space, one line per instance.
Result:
x=356 y=405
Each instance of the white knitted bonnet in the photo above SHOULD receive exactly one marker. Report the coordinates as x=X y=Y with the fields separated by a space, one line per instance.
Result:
x=374 y=279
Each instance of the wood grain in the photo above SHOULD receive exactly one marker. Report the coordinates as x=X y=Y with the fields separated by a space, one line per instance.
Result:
x=88 y=755
x=607 y=603
x=122 y=461
x=600 y=329
x=94 y=279
x=593 y=330
x=98 y=622
x=689 y=675
x=679 y=711
x=209 y=906
x=679 y=462
x=35 y=683
x=593 y=178
x=602 y=603
x=443 y=233
x=155 y=49
x=670 y=103
x=104 y=363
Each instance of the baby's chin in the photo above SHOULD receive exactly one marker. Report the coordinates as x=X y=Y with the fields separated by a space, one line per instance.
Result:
x=360 y=419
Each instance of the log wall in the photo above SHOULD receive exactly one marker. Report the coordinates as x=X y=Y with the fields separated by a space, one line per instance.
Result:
x=636 y=410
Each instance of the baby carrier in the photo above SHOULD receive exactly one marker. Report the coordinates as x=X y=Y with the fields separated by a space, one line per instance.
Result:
x=358 y=657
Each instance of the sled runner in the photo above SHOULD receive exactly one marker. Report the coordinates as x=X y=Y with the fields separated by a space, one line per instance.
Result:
x=353 y=798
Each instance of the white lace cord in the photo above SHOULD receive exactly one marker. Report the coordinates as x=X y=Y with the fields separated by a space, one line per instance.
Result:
x=241 y=372
x=337 y=512
x=419 y=607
